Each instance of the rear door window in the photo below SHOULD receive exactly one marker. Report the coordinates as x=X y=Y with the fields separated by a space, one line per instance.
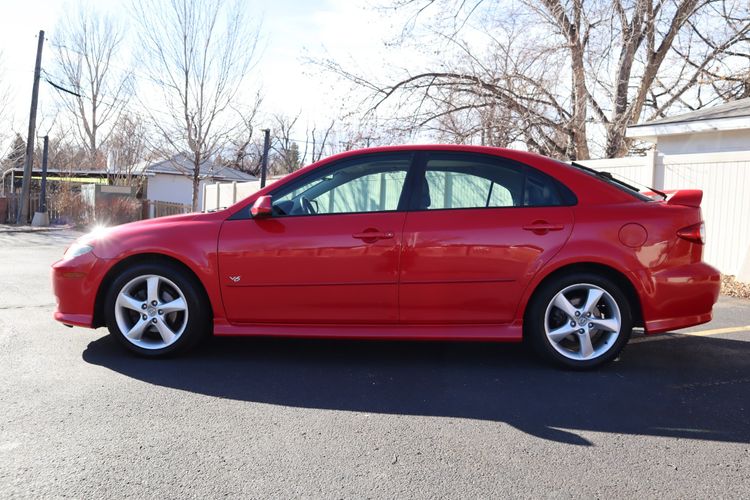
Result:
x=465 y=180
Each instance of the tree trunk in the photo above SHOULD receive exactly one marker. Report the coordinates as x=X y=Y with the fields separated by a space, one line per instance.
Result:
x=579 y=107
x=196 y=179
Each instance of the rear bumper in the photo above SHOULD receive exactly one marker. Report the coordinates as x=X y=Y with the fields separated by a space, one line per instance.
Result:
x=75 y=283
x=680 y=297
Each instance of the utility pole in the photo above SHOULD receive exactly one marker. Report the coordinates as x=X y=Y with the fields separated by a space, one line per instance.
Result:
x=264 y=163
x=41 y=217
x=23 y=209
x=43 y=190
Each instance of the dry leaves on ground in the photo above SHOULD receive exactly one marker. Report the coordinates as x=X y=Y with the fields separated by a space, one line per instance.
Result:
x=730 y=286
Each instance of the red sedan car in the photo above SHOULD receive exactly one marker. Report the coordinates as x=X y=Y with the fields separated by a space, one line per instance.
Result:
x=411 y=242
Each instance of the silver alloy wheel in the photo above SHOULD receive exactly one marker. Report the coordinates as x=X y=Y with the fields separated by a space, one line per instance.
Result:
x=151 y=312
x=582 y=321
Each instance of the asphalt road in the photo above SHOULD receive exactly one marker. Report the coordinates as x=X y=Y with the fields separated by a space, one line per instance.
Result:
x=338 y=419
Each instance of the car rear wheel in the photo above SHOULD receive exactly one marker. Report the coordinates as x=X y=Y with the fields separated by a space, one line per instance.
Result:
x=580 y=321
x=155 y=310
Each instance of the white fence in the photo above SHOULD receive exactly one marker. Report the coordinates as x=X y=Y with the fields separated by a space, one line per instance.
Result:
x=223 y=195
x=635 y=168
x=725 y=181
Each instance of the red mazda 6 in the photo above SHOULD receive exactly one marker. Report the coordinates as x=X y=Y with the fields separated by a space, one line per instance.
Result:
x=411 y=242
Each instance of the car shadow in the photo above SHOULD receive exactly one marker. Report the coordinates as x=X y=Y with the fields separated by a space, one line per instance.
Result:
x=692 y=387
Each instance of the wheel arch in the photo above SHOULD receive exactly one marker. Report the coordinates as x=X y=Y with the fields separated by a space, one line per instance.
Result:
x=114 y=271
x=625 y=284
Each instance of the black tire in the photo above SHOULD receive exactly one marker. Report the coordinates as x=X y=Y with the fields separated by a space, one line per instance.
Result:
x=563 y=352
x=194 y=324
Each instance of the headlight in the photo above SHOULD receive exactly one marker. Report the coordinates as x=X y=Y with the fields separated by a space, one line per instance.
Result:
x=77 y=249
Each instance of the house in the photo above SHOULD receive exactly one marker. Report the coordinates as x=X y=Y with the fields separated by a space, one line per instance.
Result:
x=721 y=128
x=171 y=180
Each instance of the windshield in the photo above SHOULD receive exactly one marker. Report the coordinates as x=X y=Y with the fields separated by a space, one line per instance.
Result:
x=620 y=183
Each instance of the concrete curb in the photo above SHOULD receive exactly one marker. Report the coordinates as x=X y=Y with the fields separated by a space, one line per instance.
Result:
x=29 y=229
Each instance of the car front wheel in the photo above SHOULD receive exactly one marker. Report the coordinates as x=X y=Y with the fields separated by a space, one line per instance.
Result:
x=580 y=321
x=155 y=310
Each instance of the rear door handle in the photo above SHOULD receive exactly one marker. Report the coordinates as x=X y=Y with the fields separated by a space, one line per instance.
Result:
x=543 y=227
x=373 y=235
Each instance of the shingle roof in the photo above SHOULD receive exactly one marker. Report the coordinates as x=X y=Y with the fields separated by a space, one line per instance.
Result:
x=732 y=109
x=182 y=165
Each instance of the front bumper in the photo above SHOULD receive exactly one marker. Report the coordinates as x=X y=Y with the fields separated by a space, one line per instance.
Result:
x=680 y=297
x=75 y=283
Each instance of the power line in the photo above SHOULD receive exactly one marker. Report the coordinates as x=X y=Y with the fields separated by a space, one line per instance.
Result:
x=80 y=94
x=60 y=88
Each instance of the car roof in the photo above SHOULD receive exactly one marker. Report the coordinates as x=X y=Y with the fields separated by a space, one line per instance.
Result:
x=459 y=148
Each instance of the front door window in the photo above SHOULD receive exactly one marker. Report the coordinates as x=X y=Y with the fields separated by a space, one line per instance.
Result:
x=370 y=184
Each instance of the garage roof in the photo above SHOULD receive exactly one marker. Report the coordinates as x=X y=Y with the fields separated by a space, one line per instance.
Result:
x=734 y=115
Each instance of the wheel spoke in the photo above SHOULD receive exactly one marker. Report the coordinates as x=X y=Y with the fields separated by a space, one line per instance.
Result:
x=152 y=287
x=592 y=300
x=562 y=303
x=610 y=325
x=128 y=302
x=136 y=332
x=586 y=348
x=167 y=335
x=559 y=334
x=176 y=305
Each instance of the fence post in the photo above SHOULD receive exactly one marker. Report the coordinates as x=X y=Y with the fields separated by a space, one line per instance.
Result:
x=656 y=163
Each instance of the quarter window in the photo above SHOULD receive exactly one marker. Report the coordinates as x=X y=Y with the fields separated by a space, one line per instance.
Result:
x=541 y=190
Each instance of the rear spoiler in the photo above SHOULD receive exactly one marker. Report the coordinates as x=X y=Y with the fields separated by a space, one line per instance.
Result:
x=684 y=197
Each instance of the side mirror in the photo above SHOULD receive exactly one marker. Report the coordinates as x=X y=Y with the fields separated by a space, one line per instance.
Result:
x=262 y=207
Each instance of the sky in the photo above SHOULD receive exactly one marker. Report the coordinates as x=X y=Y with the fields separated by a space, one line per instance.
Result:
x=292 y=32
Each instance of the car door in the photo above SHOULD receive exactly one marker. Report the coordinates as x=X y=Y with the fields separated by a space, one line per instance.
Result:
x=478 y=229
x=328 y=254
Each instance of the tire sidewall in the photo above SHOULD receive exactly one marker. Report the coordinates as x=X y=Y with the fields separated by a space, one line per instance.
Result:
x=197 y=324
x=534 y=330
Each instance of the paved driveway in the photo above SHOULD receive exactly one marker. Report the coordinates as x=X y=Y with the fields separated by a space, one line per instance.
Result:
x=283 y=418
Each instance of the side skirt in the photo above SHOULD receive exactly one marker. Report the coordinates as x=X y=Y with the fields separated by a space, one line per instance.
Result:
x=498 y=333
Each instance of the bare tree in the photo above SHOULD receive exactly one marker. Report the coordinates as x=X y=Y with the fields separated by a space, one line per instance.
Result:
x=16 y=152
x=563 y=76
x=128 y=150
x=317 y=143
x=285 y=148
x=244 y=150
x=6 y=115
x=95 y=89
x=198 y=53
x=64 y=154
x=4 y=93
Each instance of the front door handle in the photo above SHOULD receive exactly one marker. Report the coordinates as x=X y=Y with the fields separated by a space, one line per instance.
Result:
x=542 y=227
x=373 y=235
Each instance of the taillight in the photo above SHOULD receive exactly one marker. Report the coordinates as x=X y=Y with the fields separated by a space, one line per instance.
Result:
x=695 y=233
